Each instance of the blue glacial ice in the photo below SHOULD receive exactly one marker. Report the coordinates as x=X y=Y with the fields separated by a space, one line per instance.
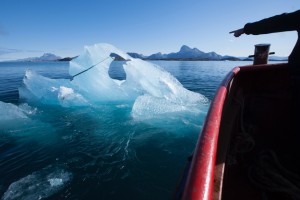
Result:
x=15 y=116
x=44 y=90
x=150 y=90
x=10 y=111
x=38 y=185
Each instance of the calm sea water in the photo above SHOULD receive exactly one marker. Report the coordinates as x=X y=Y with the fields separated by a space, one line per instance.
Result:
x=88 y=153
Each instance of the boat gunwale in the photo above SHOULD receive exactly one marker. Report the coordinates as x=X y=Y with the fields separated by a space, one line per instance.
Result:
x=200 y=180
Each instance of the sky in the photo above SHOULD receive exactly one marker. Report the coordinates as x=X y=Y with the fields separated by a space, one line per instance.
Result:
x=63 y=27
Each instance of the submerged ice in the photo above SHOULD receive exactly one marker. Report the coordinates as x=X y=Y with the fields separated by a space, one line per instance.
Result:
x=10 y=112
x=150 y=90
x=38 y=185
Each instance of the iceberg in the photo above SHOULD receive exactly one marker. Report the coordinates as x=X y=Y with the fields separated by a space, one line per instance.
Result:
x=149 y=89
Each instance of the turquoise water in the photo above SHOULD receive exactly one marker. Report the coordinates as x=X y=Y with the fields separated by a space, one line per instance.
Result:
x=98 y=151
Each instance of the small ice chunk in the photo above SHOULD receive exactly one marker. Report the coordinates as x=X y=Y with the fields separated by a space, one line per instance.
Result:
x=38 y=185
x=55 y=182
x=68 y=97
x=10 y=111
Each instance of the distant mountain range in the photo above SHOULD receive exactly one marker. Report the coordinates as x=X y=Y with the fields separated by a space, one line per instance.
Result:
x=44 y=57
x=185 y=53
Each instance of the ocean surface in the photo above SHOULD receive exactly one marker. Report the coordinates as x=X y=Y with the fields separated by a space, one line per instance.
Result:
x=96 y=152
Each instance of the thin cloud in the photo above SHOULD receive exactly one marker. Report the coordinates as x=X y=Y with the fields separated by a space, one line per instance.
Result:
x=4 y=50
x=7 y=50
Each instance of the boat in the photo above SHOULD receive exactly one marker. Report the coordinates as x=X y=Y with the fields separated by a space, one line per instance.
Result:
x=248 y=147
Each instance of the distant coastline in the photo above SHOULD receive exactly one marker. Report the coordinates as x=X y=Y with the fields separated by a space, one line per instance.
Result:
x=184 y=54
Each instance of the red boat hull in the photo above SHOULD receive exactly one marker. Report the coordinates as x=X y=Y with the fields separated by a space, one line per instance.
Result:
x=250 y=92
